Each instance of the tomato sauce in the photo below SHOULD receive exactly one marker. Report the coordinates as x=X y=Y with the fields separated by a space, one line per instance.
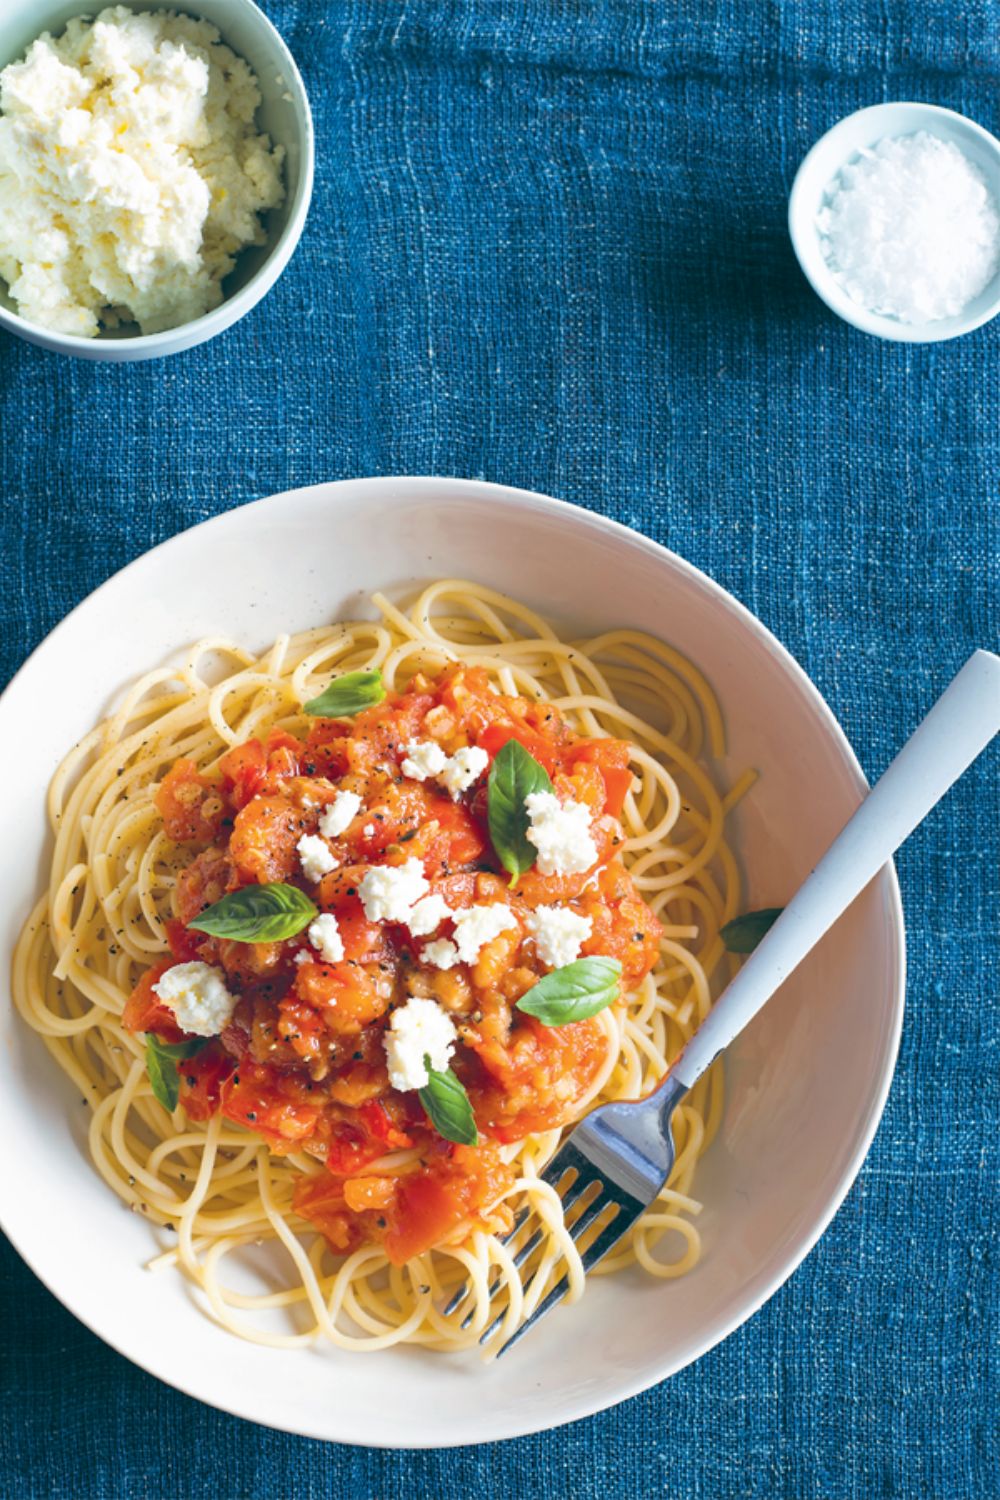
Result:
x=302 y=1063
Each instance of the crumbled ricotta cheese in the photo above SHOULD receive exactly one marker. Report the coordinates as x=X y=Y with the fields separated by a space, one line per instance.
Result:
x=324 y=935
x=559 y=934
x=427 y=916
x=474 y=928
x=131 y=174
x=198 y=997
x=560 y=831
x=463 y=769
x=389 y=892
x=424 y=759
x=479 y=925
x=340 y=814
x=418 y=1030
x=369 y=830
x=442 y=953
x=316 y=857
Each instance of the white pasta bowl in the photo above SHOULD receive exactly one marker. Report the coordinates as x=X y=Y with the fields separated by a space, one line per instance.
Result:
x=820 y=166
x=283 y=114
x=806 y=1083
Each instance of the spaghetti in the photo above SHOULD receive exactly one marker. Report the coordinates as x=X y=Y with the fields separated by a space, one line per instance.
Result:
x=215 y=1189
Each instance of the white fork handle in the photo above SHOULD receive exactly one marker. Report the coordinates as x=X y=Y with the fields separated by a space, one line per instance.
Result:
x=958 y=727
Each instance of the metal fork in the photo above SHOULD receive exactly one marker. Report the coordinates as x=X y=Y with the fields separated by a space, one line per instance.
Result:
x=619 y=1157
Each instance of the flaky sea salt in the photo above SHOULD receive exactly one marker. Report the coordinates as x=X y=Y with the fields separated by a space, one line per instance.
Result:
x=910 y=228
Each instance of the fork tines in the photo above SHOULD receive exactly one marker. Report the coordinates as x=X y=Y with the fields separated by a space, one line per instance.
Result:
x=578 y=1189
x=605 y=1241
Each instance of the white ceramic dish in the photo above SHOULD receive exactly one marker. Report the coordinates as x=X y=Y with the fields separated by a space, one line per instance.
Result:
x=284 y=114
x=819 y=168
x=807 y=1081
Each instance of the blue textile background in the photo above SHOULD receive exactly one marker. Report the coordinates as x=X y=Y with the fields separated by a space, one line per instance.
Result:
x=547 y=246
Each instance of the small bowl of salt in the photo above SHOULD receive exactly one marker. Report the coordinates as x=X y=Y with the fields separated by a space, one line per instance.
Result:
x=895 y=218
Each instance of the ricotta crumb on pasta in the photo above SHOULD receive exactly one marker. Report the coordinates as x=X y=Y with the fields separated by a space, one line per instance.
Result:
x=131 y=172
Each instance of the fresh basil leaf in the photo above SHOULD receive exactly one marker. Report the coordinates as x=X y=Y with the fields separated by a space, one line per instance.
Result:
x=161 y=1065
x=257 y=914
x=514 y=775
x=347 y=695
x=574 y=992
x=447 y=1106
x=178 y=1051
x=742 y=934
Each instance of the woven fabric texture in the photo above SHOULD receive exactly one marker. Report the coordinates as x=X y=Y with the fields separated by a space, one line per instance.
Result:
x=548 y=247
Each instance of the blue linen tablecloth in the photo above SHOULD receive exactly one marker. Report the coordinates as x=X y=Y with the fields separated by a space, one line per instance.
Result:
x=548 y=247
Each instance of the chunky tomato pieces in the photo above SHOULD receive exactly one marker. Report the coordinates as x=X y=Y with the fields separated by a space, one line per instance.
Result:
x=411 y=1212
x=302 y=1063
x=145 y=1011
x=189 y=804
x=202 y=1078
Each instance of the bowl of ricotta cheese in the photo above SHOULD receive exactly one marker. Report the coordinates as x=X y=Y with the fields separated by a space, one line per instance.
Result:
x=156 y=168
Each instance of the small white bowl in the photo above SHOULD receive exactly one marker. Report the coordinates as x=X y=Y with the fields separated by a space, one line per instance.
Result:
x=824 y=161
x=284 y=114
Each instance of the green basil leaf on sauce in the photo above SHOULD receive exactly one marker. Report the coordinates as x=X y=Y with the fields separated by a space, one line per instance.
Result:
x=742 y=934
x=161 y=1065
x=447 y=1106
x=257 y=914
x=514 y=775
x=347 y=695
x=574 y=992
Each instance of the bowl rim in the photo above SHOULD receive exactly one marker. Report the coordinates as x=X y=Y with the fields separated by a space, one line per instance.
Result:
x=826 y=286
x=231 y=309
x=343 y=494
